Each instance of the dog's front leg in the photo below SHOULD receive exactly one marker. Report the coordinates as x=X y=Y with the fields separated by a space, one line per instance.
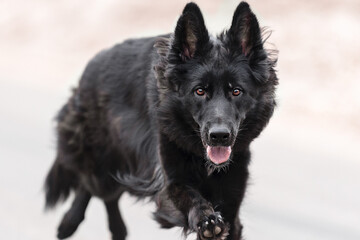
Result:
x=201 y=216
x=184 y=176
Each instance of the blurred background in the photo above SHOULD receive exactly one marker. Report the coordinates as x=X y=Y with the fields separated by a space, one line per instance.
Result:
x=305 y=173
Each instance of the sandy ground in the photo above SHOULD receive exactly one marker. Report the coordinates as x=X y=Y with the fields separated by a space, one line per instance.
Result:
x=305 y=170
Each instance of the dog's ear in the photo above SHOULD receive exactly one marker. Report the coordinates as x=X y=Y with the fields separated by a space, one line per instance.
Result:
x=190 y=34
x=245 y=32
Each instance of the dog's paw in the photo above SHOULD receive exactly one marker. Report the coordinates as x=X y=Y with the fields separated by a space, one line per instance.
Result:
x=68 y=226
x=65 y=230
x=212 y=227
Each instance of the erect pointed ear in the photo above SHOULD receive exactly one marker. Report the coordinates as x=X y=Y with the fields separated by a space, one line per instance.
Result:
x=191 y=34
x=245 y=31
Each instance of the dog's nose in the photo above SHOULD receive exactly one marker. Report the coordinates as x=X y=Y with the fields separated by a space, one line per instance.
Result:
x=219 y=135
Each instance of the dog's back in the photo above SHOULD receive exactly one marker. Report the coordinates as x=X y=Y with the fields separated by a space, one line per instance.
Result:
x=105 y=124
x=105 y=142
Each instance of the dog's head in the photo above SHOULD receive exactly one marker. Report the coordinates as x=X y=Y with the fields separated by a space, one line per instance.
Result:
x=212 y=88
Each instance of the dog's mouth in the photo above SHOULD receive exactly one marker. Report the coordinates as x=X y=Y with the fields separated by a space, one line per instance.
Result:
x=218 y=154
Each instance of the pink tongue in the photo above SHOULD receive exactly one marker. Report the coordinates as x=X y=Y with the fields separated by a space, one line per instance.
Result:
x=218 y=154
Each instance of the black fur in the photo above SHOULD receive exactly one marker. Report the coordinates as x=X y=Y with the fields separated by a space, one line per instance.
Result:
x=144 y=115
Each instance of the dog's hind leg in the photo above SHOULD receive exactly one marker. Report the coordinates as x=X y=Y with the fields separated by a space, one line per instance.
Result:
x=75 y=215
x=116 y=223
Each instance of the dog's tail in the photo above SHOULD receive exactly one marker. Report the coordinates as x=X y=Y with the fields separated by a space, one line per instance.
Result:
x=142 y=187
x=58 y=184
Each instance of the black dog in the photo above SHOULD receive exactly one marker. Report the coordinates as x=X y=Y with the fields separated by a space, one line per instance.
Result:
x=170 y=118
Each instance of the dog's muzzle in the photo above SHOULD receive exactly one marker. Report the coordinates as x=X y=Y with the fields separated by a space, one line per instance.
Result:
x=219 y=141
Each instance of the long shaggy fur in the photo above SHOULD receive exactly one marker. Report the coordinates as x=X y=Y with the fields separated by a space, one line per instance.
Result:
x=137 y=123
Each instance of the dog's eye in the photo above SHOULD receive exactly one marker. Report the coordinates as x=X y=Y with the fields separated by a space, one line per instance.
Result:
x=200 y=91
x=236 y=91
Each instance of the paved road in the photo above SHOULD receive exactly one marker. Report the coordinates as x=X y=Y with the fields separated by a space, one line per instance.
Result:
x=305 y=170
